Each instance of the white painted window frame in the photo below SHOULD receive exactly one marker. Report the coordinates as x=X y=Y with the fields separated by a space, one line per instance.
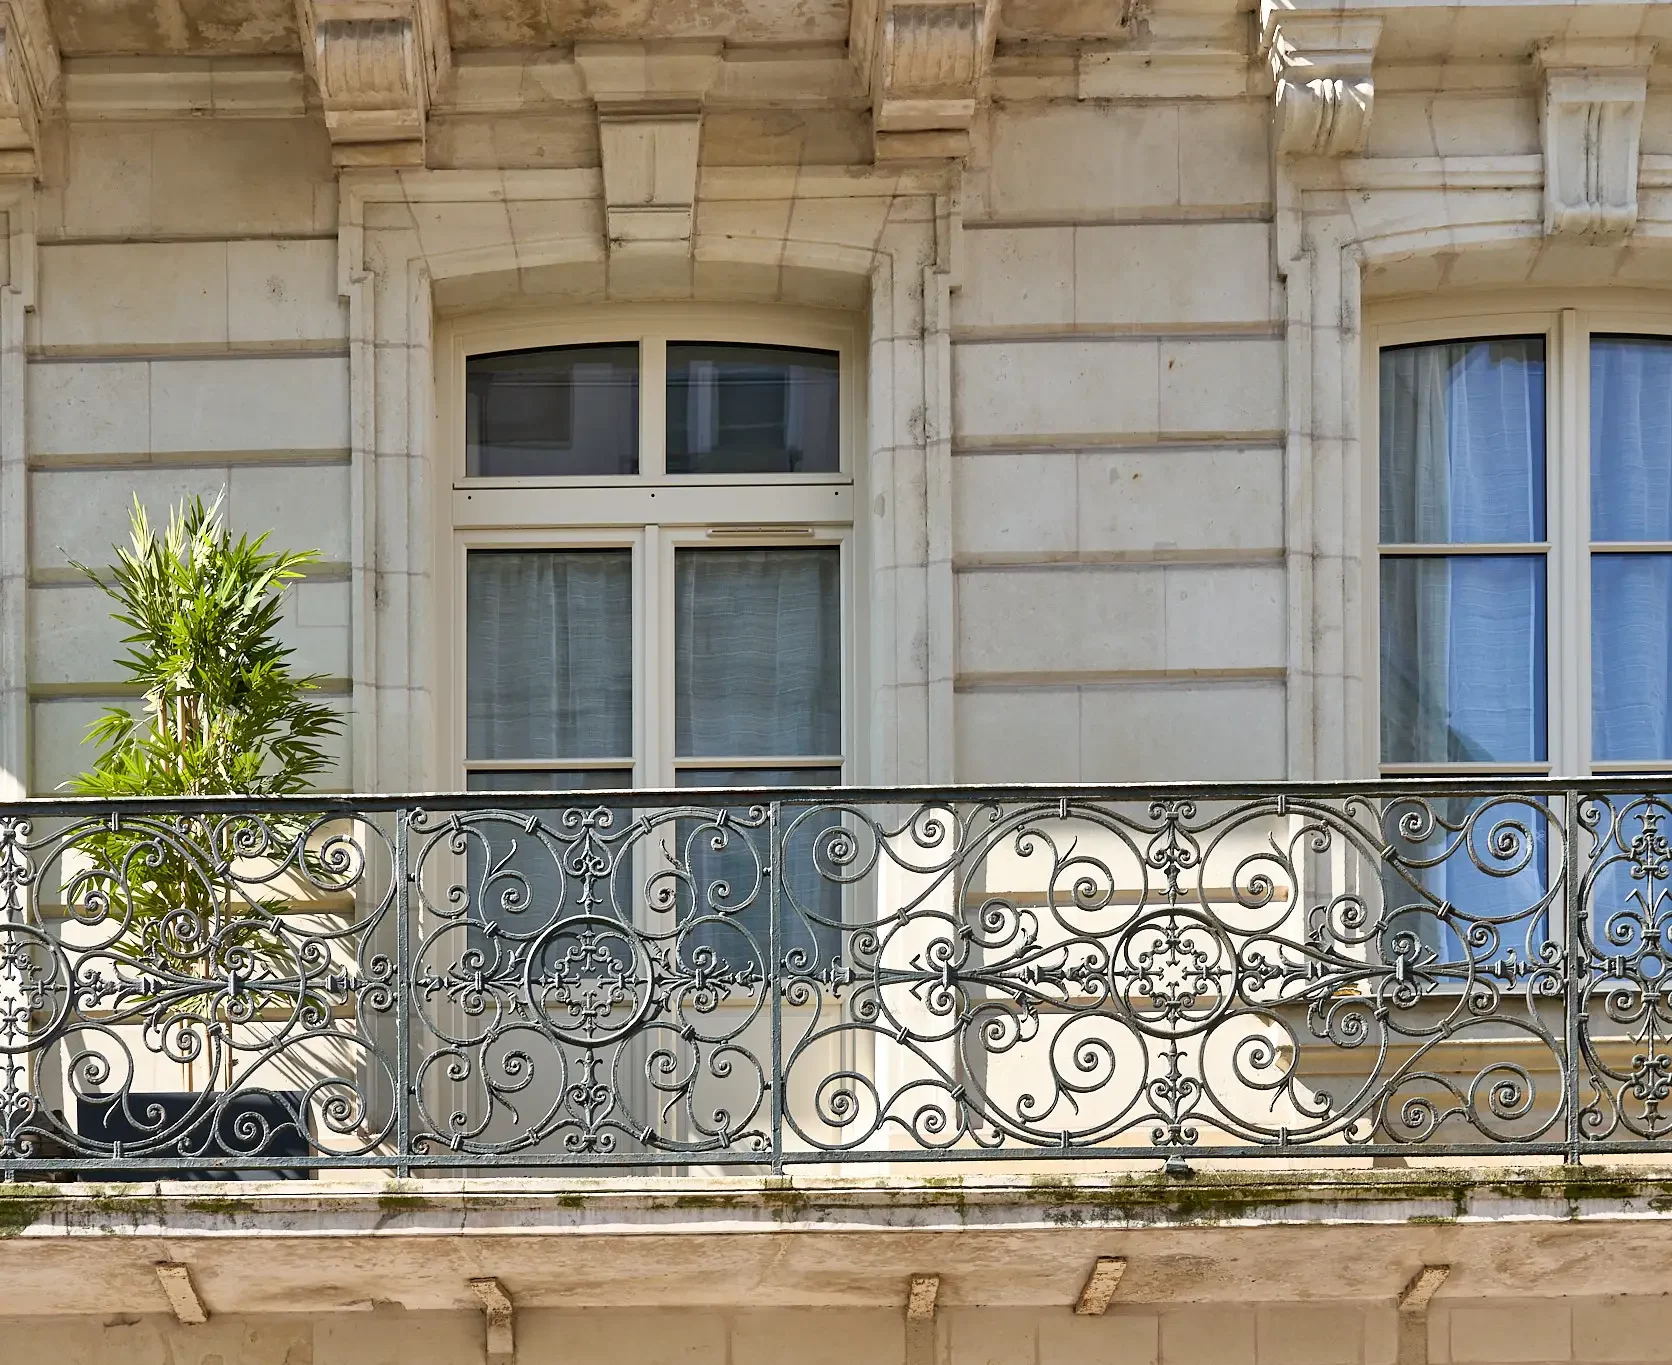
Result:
x=1566 y=319
x=652 y=514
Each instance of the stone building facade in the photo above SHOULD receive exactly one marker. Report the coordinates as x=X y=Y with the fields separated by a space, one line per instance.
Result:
x=1086 y=308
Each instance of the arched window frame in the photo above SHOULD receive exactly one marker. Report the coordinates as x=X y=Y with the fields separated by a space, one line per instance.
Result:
x=652 y=514
x=1567 y=320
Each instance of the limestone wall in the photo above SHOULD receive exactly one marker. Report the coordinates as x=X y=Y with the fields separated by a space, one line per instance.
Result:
x=1118 y=468
x=187 y=338
x=1593 y=1331
x=1113 y=529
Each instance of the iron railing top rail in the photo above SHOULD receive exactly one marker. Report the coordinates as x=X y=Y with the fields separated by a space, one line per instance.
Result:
x=351 y=804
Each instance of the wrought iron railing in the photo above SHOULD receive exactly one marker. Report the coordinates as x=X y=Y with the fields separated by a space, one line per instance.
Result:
x=703 y=979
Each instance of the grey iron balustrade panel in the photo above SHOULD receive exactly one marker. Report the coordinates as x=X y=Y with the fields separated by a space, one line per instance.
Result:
x=589 y=983
x=755 y=979
x=196 y=992
x=1092 y=978
x=1623 y=968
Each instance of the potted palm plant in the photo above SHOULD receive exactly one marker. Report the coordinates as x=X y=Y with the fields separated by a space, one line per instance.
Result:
x=223 y=715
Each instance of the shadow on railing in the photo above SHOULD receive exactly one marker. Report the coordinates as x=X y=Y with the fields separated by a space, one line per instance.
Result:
x=674 y=980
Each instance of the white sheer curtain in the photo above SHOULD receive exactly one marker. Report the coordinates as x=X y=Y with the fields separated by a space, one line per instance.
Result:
x=757 y=674
x=549 y=673
x=1631 y=594
x=549 y=665
x=757 y=666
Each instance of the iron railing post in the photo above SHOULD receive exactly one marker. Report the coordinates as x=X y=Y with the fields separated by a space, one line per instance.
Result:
x=403 y=999
x=774 y=983
x=1573 y=958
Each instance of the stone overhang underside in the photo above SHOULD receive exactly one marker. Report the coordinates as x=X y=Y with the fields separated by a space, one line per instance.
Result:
x=343 y=1245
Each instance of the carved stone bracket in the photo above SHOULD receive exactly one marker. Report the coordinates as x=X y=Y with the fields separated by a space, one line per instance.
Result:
x=1591 y=119
x=29 y=82
x=378 y=64
x=649 y=98
x=924 y=62
x=1325 y=90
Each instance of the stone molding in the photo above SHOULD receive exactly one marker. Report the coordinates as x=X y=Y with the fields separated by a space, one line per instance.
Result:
x=649 y=99
x=1590 y=119
x=408 y=239
x=1325 y=89
x=924 y=63
x=17 y=297
x=377 y=64
x=1339 y=221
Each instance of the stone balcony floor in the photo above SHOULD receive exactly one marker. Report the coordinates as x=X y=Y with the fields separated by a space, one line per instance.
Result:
x=1218 y=1236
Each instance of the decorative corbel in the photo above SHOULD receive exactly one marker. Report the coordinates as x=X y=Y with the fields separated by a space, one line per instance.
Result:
x=378 y=64
x=29 y=83
x=499 y=1317
x=1321 y=65
x=1591 y=119
x=924 y=62
x=649 y=98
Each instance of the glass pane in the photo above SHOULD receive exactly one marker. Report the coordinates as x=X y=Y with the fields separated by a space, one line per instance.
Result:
x=752 y=409
x=811 y=906
x=1462 y=442
x=522 y=881
x=1631 y=657
x=549 y=654
x=1463 y=659
x=570 y=410
x=758 y=653
x=1631 y=438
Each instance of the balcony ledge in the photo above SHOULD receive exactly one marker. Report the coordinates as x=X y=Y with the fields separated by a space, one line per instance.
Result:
x=345 y=1245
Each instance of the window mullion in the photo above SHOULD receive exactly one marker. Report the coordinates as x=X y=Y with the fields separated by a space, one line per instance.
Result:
x=653 y=690
x=1569 y=532
x=653 y=406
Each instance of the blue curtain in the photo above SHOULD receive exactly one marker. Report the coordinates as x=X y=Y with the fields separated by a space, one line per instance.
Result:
x=1463 y=645
x=1631 y=594
x=1462 y=636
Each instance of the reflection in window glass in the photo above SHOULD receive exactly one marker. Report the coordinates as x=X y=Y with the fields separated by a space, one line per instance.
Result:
x=1631 y=438
x=1463 y=659
x=1462 y=442
x=566 y=411
x=751 y=409
x=549 y=654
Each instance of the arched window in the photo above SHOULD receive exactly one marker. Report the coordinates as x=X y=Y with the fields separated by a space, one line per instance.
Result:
x=652 y=559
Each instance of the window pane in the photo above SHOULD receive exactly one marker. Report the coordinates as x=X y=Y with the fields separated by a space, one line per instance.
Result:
x=1631 y=438
x=751 y=409
x=570 y=410
x=1463 y=669
x=549 y=661
x=1462 y=442
x=522 y=880
x=1631 y=657
x=811 y=905
x=757 y=653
